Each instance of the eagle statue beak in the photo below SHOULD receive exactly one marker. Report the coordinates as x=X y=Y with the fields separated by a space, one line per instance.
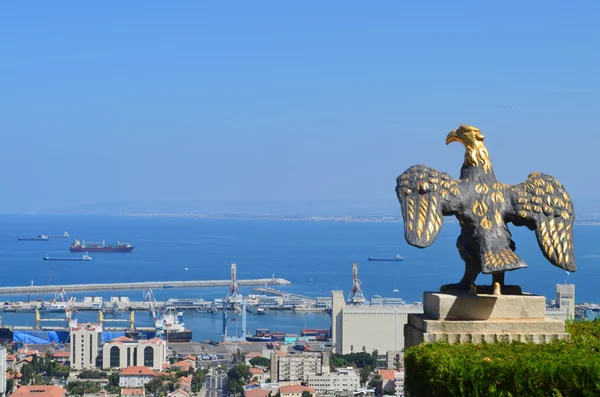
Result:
x=452 y=137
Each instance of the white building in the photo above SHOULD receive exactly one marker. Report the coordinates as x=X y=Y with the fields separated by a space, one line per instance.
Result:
x=324 y=302
x=124 y=352
x=85 y=343
x=135 y=376
x=368 y=327
x=343 y=379
x=298 y=367
x=2 y=371
x=565 y=298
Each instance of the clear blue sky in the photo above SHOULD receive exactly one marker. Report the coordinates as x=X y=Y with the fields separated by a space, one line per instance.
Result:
x=187 y=100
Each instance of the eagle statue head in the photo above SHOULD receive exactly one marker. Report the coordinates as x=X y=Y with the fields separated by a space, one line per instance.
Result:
x=471 y=137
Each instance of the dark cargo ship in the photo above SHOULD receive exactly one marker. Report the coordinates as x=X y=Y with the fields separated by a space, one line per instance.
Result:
x=82 y=246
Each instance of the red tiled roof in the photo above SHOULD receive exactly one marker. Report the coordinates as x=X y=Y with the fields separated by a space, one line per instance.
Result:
x=182 y=364
x=137 y=371
x=255 y=370
x=281 y=352
x=253 y=354
x=190 y=357
x=39 y=391
x=387 y=374
x=10 y=375
x=178 y=391
x=62 y=354
x=136 y=392
x=185 y=380
x=295 y=389
x=256 y=393
x=11 y=357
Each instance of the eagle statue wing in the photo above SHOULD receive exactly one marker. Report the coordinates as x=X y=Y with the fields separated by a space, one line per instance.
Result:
x=426 y=196
x=542 y=204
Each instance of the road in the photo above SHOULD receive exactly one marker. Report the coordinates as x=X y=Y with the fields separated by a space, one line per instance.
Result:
x=216 y=383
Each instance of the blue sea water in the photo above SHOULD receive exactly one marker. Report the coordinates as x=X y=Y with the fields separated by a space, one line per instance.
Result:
x=315 y=256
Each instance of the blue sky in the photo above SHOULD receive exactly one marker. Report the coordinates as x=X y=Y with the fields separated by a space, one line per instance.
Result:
x=125 y=101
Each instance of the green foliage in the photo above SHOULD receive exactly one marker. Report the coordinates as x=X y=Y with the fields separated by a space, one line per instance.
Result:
x=560 y=368
x=364 y=374
x=376 y=383
x=160 y=384
x=240 y=372
x=234 y=386
x=33 y=372
x=389 y=392
x=358 y=360
x=198 y=379
x=92 y=374
x=10 y=385
x=79 y=388
x=260 y=362
x=306 y=393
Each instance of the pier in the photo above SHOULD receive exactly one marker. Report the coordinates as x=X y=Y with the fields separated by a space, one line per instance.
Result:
x=29 y=289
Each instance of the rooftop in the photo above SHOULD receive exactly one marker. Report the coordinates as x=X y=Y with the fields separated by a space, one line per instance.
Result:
x=256 y=393
x=295 y=389
x=39 y=391
x=255 y=370
x=253 y=354
x=135 y=392
x=137 y=371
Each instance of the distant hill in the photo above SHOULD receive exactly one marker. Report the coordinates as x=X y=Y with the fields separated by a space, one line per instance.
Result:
x=375 y=208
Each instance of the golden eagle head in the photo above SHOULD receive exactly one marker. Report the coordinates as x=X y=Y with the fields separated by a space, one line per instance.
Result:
x=472 y=138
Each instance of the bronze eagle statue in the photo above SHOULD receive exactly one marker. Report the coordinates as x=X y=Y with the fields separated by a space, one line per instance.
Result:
x=484 y=206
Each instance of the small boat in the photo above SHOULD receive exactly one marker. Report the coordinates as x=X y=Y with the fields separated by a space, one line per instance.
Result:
x=39 y=237
x=168 y=286
x=85 y=257
x=398 y=258
x=261 y=310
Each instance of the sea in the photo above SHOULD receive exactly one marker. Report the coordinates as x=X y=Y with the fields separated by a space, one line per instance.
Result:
x=315 y=256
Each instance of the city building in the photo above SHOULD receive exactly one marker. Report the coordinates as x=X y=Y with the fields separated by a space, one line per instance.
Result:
x=135 y=376
x=565 y=298
x=395 y=359
x=297 y=367
x=324 y=302
x=295 y=391
x=124 y=352
x=39 y=391
x=178 y=393
x=85 y=342
x=258 y=374
x=256 y=393
x=356 y=328
x=3 y=368
x=393 y=381
x=250 y=356
x=343 y=379
x=185 y=383
x=133 y=392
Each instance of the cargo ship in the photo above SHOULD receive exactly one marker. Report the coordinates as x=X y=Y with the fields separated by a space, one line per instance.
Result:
x=172 y=328
x=82 y=246
x=39 y=237
x=398 y=258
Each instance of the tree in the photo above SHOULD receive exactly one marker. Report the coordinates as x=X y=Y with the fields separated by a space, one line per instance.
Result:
x=376 y=383
x=10 y=385
x=240 y=372
x=306 y=393
x=113 y=379
x=375 y=357
x=365 y=372
x=260 y=362
x=234 y=386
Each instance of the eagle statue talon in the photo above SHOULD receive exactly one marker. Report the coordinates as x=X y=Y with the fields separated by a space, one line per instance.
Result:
x=484 y=207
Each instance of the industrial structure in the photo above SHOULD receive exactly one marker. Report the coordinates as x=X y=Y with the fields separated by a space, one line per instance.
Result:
x=232 y=300
x=385 y=330
x=356 y=295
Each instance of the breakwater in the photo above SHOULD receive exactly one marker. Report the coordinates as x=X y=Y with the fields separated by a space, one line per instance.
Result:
x=27 y=289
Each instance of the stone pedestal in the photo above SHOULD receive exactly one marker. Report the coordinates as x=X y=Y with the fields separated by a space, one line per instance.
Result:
x=482 y=318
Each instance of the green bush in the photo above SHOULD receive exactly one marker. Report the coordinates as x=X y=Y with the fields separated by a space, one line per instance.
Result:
x=559 y=369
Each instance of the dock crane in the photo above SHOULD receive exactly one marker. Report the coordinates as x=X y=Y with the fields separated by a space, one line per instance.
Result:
x=156 y=311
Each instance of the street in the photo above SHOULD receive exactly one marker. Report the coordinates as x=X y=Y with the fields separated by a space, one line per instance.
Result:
x=216 y=383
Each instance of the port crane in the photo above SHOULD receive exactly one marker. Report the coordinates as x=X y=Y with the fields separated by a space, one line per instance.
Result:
x=356 y=295
x=66 y=303
x=156 y=311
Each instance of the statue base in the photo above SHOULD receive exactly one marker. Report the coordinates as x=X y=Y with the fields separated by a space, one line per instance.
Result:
x=463 y=318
